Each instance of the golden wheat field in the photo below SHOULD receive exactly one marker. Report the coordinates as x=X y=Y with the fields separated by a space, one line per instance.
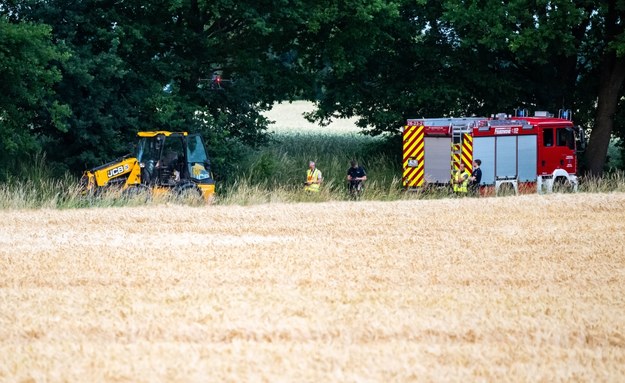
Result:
x=527 y=288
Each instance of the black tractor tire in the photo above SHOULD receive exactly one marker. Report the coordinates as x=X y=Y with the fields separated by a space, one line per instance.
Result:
x=187 y=192
x=139 y=193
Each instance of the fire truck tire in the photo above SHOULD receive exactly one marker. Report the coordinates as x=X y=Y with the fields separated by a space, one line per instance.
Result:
x=561 y=184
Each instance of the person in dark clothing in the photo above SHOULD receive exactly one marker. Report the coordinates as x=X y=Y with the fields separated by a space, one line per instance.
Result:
x=356 y=175
x=476 y=177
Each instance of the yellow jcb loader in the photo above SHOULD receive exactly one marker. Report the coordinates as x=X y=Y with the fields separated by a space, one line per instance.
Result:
x=164 y=163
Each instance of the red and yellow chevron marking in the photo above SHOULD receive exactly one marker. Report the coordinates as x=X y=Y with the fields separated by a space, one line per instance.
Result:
x=413 y=151
x=467 y=151
x=455 y=157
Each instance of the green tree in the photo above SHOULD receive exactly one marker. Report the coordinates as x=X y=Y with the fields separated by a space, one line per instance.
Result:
x=137 y=66
x=572 y=53
x=28 y=71
x=610 y=64
x=396 y=60
x=452 y=57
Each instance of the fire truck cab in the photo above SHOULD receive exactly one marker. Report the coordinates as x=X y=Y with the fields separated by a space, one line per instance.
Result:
x=528 y=153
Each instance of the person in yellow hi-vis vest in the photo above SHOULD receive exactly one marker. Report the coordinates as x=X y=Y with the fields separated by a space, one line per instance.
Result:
x=313 y=178
x=461 y=180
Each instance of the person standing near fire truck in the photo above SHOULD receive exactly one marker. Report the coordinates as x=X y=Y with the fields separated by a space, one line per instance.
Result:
x=356 y=175
x=461 y=180
x=313 y=178
x=476 y=177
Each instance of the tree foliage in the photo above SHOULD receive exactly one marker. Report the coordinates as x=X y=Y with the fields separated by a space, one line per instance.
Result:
x=28 y=70
x=136 y=66
x=571 y=53
x=453 y=57
x=93 y=73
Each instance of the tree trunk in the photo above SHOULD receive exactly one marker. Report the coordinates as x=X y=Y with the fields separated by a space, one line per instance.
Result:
x=611 y=76
x=611 y=79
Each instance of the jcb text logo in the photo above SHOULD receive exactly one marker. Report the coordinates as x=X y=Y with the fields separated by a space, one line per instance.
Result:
x=118 y=170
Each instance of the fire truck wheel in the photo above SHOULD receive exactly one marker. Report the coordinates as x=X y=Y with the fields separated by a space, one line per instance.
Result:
x=561 y=184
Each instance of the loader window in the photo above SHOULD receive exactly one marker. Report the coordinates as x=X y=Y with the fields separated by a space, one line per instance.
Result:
x=149 y=149
x=199 y=166
x=196 y=152
x=172 y=152
x=548 y=137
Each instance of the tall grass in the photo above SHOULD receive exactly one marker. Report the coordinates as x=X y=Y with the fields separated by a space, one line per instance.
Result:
x=611 y=182
x=279 y=169
x=276 y=172
x=61 y=193
x=36 y=187
x=272 y=174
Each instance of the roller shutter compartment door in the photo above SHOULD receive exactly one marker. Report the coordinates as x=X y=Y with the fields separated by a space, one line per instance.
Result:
x=506 y=156
x=527 y=158
x=437 y=159
x=484 y=150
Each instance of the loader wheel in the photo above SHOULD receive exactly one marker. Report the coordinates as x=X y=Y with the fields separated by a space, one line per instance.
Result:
x=187 y=192
x=138 y=193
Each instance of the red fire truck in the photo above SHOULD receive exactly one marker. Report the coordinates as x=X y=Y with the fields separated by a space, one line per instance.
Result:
x=528 y=153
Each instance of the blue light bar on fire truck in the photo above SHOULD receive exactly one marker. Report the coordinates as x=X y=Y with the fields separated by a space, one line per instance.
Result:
x=565 y=114
x=521 y=112
x=493 y=124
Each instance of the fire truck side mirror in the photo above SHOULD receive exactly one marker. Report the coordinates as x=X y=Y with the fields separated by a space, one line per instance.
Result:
x=580 y=136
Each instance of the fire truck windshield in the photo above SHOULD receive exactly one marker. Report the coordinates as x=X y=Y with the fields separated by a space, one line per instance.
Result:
x=565 y=137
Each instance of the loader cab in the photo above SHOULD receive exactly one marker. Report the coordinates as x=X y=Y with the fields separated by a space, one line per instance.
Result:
x=172 y=158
